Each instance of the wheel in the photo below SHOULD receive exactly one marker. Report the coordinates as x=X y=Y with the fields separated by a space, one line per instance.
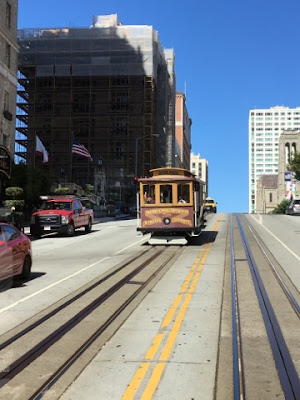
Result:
x=26 y=268
x=70 y=230
x=215 y=209
x=88 y=228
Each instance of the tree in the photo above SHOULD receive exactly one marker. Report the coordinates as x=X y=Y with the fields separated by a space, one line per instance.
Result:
x=35 y=181
x=88 y=189
x=294 y=164
x=16 y=205
x=62 y=190
x=280 y=209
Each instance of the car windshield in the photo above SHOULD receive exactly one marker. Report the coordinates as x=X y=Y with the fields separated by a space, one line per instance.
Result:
x=56 y=205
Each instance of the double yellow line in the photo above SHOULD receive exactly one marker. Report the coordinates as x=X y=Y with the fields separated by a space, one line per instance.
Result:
x=181 y=303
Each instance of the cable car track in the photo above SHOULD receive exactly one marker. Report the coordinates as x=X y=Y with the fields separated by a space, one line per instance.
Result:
x=90 y=313
x=285 y=365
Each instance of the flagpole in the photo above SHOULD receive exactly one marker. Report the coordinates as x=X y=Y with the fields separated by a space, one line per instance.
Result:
x=71 y=138
x=71 y=156
x=34 y=149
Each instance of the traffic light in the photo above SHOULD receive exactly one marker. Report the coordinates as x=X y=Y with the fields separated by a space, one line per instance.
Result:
x=135 y=180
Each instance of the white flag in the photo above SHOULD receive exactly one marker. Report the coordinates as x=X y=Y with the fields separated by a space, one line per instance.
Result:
x=40 y=149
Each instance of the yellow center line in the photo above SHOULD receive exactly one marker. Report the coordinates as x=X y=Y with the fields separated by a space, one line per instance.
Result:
x=183 y=288
x=191 y=273
x=152 y=384
x=155 y=346
x=135 y=383
x=171 y=312
x=165 y=353
x=177 y=324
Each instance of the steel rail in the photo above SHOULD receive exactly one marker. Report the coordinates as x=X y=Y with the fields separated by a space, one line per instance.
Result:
x=31 y=355
x=64 y=368
x=238 y=374
x=286 y=290
x=286 y=370
x=67 y=303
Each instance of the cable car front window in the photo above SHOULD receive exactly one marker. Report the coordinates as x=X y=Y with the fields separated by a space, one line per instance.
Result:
x=166 y=195
x=183 y=192
x=149 y=194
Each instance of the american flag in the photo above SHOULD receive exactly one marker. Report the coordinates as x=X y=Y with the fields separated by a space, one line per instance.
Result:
x=80 y=150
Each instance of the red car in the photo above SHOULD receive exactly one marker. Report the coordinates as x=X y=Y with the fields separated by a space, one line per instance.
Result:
x=15 y=253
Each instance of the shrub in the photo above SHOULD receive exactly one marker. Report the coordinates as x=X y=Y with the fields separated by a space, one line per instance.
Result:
x=280 y=209
x=62 y=190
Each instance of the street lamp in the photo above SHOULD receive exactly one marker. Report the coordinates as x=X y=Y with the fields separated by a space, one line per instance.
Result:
x=136 y=149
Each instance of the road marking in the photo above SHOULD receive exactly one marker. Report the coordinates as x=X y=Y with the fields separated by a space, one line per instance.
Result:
x=275 y=237
x=62 y=280
x=185 y=294
x=128 y=247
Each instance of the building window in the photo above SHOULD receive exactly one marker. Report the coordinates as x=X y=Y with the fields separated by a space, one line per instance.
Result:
x=118 y=149
x=7 y=55
x=119 y=126
x=270 y=197
x=8 y=15
x=6 y=101
x=120 y=101
x=200 y=171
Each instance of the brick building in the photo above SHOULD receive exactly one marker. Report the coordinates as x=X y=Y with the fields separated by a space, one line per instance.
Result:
x=182 y=132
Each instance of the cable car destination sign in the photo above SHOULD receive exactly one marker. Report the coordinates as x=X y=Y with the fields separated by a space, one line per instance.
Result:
x=5 y=161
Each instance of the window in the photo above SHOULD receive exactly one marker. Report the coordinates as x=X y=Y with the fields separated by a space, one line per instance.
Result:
x=183 y=193
x=7 y=55
x=6 y=101
x=200 y=171
x=10 y=233
x=119 y=126
x=118 y=150
x=8 y=15
x=120 y=100
x=2 y=238
x=270 y=197
x=77 y=206
x=81 y=103
x=149 y=194
x=166 y=195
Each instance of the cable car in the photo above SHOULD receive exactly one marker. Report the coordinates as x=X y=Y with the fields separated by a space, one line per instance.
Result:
x=170 y=206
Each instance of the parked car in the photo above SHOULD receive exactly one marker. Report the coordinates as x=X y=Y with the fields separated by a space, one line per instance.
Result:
x=15 y=253
x=293 y=208
x=62 y=215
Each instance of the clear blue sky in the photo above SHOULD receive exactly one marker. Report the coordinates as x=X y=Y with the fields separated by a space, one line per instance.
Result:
x=231 y=56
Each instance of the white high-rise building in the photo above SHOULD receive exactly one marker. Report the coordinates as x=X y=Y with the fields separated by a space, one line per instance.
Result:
x=265 y=128
x=199 y=167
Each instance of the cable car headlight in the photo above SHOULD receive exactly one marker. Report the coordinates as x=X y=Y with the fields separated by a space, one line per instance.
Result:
x=167 y=221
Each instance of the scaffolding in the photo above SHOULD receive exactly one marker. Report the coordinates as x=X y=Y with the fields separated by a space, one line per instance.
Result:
x=105 y=86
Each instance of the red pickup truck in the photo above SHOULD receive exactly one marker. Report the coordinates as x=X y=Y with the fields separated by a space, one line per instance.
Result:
x=62 y=215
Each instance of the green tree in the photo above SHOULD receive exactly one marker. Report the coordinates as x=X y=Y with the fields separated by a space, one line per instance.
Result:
x=16 y=205
x=294 y=165
x=88 y=189
x=62 y=190
x=35 y=181
x=280 y=209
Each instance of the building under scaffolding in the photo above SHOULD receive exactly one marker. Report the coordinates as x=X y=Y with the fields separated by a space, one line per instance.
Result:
x=111 y=88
